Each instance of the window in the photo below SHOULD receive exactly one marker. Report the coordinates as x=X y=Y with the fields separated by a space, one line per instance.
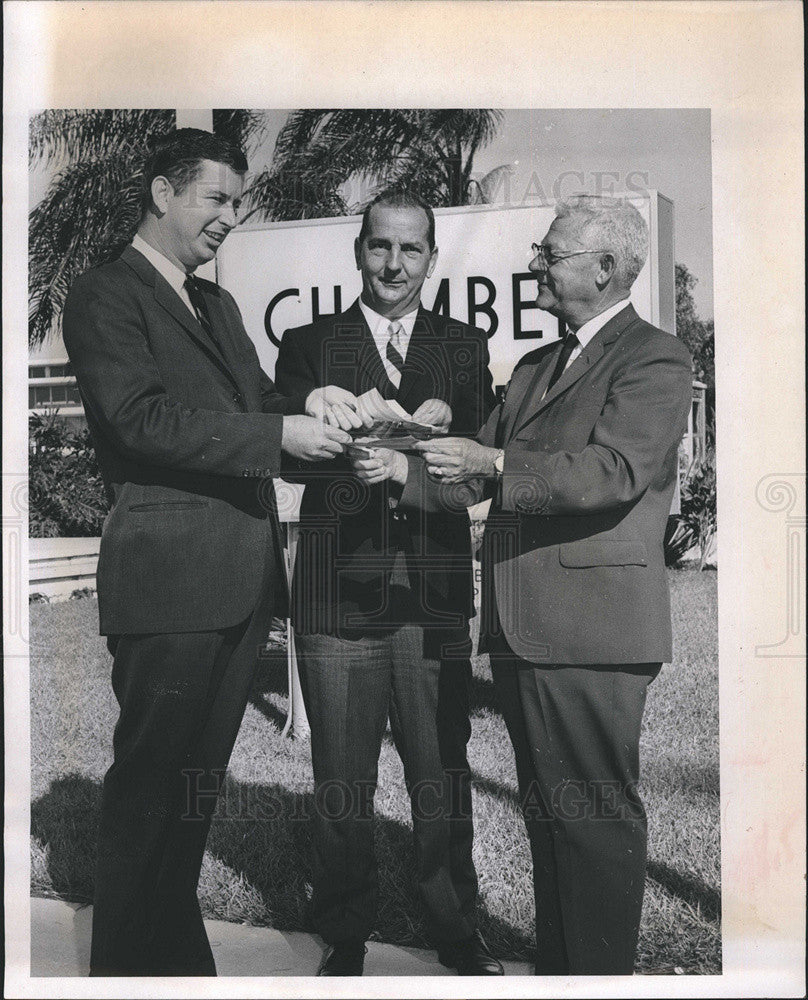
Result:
x=45 y=397
x=61 y=369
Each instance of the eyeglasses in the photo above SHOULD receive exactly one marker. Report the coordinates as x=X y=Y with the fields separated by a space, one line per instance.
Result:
x=548 y=259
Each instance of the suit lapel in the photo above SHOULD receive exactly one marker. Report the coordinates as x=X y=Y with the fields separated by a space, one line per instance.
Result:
x=371 y=372
x=535 y=391
x=594 y=350
x=167 y=298
x=521 y=389
x=222 y=328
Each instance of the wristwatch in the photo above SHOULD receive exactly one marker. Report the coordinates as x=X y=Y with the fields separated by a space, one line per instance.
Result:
x=499 y=462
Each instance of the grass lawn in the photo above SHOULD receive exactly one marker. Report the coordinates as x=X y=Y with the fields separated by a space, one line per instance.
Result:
x=256 y=868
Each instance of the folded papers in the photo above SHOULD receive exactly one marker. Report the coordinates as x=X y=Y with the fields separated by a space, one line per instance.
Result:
x=391 y=427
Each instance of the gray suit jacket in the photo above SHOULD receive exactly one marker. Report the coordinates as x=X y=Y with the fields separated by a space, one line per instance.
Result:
x=573 y=566
x=187 y=433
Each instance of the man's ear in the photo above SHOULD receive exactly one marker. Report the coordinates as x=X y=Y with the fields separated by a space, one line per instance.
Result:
x=161 y=192
x=433 y=260
x=606 y=270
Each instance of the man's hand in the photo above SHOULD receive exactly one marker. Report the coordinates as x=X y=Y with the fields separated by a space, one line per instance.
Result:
x=335 y=406
x=312 y=440
x=381 y=464
x=453 y=460
x=435 y=412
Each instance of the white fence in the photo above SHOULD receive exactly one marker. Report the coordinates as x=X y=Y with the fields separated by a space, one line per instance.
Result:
x=58 y=566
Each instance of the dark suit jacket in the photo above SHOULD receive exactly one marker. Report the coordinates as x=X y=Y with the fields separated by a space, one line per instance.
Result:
x=348 y=537
x=186 y=435
x=573 y=554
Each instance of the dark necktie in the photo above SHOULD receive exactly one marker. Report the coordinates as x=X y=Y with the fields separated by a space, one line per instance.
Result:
x=570 y=343
x=394 y=355
x=201 y=310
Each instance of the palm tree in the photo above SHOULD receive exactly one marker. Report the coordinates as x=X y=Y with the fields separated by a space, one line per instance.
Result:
x=92 y=202
x=333 y=162
x=92 y=206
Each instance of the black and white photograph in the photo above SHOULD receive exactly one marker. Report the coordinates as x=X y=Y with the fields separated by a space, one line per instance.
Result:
x=370 y=538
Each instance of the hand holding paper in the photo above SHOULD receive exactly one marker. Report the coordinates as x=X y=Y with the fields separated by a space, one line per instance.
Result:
x=374 y=408
x=334 y=406
x=453 y=460
x=311 y=440
x=389 y=423
x=434 y=412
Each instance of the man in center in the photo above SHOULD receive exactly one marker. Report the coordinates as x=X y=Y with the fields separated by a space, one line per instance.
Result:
x=382 y=599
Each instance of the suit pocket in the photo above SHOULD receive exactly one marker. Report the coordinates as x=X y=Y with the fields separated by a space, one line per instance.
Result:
x=602 y=552
x=169 y=505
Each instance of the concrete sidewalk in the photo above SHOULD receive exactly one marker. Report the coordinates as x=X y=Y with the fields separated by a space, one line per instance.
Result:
x=60 y=946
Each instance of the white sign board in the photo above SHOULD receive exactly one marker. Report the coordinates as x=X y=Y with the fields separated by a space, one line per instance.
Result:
x=289 y=273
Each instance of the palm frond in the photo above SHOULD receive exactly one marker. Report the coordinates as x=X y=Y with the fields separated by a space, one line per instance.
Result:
x=489 y=184
x=469 y=128
x=247 y=129
x=73 y=135
x=298 y=131
x=287 y=195
x=366 y=150
x=90 y=212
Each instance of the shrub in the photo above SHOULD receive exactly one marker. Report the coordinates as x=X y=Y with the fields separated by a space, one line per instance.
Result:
x=696 y=524
x=65 y=492
x=82 y=593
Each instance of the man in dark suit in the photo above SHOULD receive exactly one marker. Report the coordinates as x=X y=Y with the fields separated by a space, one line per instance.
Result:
x=382 y=600
x=581 y=459
x=188 y=431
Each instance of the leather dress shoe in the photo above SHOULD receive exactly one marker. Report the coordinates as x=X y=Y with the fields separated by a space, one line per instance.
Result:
x=470 y=957
x=343 y=960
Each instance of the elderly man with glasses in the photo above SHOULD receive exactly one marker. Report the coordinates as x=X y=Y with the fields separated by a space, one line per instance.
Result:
x=581 y=462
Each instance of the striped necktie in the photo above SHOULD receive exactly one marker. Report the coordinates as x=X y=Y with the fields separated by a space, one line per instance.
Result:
x=394 y=355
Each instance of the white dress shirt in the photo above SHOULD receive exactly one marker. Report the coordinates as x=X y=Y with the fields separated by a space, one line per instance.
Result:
x=380 y=329
x=592 y=326
x=174 y=275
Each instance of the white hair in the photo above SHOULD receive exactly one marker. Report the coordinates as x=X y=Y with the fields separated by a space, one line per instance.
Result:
x=612 y=224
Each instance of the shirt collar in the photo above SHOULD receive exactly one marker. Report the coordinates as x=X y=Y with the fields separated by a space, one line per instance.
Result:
x=379 y=325
x=173 y=274
x=594 y=325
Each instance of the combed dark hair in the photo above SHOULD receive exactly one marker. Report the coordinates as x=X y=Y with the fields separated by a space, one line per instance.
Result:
x=400 y=198
x=178 y=155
